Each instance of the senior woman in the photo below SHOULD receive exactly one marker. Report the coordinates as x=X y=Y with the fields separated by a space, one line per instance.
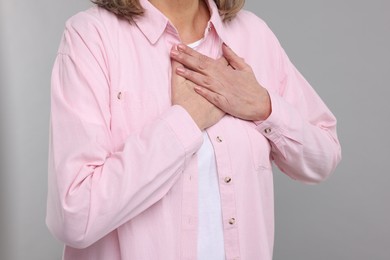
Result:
x=165 y=117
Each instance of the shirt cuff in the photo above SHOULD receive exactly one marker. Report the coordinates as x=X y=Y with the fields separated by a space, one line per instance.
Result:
x=271 y=127
x=185 y=128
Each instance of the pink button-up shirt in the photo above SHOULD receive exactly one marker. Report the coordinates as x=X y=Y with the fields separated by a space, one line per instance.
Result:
x=123 y=162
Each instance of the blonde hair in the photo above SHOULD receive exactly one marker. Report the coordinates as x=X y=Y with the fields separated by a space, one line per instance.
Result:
x=129 y=9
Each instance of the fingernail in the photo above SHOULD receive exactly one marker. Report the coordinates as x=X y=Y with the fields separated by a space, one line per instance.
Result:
x=174 y=52
x=225 y=44
x=181 y=47
x=180 y=70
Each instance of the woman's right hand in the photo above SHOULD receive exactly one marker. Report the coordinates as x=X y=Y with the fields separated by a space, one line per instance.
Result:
x=204 y=113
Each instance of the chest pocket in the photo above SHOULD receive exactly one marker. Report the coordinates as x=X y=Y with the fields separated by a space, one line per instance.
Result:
x=145 y=97
x=260 y=148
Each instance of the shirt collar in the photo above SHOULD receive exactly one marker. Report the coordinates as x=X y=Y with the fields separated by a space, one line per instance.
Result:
x=153 y=23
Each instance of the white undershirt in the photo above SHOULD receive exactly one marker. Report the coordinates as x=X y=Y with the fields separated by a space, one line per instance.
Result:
x=210 y=229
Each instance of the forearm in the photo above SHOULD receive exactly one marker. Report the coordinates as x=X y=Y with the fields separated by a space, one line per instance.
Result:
x=306 y=150
x=93 y=190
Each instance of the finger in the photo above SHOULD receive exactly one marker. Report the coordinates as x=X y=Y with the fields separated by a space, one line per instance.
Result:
x=223 y=61
x=198 y=78
x=234 y=60
x=217 y=99
x=175 y=77
x=193 y=59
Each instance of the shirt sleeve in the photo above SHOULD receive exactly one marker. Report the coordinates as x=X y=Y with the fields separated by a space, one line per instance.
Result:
x=301 y=129
x=93 y=188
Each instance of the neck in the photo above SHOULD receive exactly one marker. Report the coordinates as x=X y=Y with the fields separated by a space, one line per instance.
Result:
x=189 y=17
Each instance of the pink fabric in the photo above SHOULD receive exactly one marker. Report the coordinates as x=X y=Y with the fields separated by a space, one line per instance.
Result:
x=122 y=166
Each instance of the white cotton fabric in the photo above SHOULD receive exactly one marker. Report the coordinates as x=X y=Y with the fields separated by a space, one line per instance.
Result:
x=210 y=230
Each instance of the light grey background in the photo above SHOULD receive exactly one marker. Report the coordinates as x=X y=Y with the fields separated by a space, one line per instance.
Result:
x=342 y=48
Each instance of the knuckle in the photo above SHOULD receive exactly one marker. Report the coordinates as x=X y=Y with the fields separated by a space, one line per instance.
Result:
x=203 y=62
x=222 y=101
x=217 y=99
x=203 y=57
x=189 y=73
x=208 y=81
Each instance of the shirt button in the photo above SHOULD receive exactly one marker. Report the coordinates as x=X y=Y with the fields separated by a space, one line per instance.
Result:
x=228 y=179
x=219 y=139
x=232 y=221
x=267 y=130
x=119 y=96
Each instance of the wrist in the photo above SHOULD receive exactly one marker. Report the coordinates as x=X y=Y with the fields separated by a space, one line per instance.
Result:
x=195 y=115
x=263 y=107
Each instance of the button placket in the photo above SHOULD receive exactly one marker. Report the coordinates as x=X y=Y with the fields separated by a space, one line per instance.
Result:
x=227 y=189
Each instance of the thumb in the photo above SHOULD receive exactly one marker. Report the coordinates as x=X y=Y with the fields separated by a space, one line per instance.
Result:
x=234 y=60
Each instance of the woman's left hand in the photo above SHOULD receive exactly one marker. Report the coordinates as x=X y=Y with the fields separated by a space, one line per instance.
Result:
x=229 y=83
